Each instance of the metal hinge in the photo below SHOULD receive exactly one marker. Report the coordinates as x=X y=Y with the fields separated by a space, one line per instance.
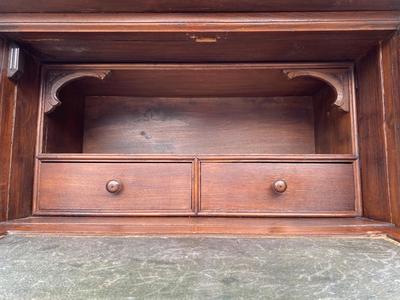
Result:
x=15 y=62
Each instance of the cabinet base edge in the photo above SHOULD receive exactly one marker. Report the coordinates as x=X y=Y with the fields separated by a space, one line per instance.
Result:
x=199 y=225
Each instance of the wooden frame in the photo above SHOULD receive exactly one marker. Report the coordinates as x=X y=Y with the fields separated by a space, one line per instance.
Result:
x=333 y=36
x=216 y=22
x=19 y=111
x=338 y=76
x=200 y=225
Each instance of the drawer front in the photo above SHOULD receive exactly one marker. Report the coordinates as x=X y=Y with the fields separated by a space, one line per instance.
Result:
x=247 y=188
x=145 y=188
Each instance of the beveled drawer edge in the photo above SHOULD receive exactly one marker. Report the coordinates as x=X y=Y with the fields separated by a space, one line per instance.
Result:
x=114 y=212
x=212 y=213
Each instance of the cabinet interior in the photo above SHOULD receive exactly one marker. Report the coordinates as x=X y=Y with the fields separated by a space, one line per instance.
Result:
x=180 y=92
x=197 y=110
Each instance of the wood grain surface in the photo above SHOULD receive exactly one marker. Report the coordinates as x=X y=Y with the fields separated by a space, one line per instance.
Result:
x=196 y=126
x=18 y=122
x=200 y=225
x=80 y=188
x=246 y=188
x=92 y=6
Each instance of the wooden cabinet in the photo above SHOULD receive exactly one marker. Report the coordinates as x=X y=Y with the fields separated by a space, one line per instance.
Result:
x=200 y=112
x=198 y=140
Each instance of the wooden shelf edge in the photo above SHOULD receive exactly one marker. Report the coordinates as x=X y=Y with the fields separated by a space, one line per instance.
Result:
x=198 y=226
x=67 y=157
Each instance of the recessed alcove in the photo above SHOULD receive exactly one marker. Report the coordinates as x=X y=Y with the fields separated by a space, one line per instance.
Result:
x=223 y=109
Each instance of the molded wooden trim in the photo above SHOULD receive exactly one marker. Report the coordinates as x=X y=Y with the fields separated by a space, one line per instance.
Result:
x=206 y=22
x=323 y=158
x=317 y=66
x=171 y=6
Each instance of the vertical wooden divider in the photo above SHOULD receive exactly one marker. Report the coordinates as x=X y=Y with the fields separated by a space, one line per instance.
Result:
x=196 y=185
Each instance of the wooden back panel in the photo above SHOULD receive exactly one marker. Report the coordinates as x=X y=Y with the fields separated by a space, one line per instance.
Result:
x=199 y=125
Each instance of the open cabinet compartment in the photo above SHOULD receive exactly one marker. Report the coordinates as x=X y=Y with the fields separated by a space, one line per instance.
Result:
x=199 y=110
x=205 y=139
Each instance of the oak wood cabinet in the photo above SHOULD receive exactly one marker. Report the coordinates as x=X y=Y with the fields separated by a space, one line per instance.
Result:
x=240 y=118
x=197 y=139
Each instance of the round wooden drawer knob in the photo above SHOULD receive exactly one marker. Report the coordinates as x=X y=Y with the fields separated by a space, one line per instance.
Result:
x=114 y=186
x=279 y=186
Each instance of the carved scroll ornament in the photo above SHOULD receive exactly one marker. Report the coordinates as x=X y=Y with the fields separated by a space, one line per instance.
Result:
x=57 y=79
x=333 y=80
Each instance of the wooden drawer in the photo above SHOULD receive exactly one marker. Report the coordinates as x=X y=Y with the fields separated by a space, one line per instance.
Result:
x=147 y=188
x=246 y=188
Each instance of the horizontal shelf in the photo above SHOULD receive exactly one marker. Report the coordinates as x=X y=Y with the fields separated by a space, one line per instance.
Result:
x=219 y=158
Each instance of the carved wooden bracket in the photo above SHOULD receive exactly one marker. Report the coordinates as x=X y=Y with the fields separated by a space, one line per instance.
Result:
x=335 y=81
x=56 y=79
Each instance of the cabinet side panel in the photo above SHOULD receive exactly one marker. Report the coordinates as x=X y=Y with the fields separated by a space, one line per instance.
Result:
x=333 y=130
x=64 y=126
x=7 y=108
x=390 y=66
x=24 y=141
x=371 y=115
x=18 y=118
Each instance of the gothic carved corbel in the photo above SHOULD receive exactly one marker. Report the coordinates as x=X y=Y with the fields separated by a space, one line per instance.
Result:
x=56 y=79
x=335 y=81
